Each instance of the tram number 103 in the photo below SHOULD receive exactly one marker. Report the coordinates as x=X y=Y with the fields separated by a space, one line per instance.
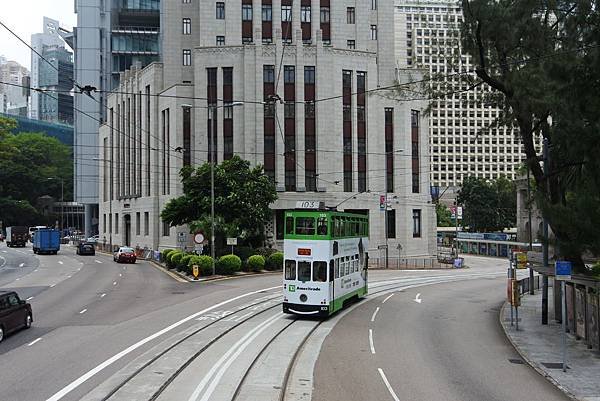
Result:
x=309 y=205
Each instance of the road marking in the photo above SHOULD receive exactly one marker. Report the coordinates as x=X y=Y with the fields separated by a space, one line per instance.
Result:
x=29 y=299
x=418 y=298
x=69 y=276
x=91 y=373
x=3 y=261
x=375 y=314
x=60 y=262
x=36 y=270
x=228 y=358
x=387 y=384
x=83 y=311
x=52 y=285
x=120 y=275
x=97 y=261
x=18 y=279
x=4 y=251
x=388 y=297
x=34 y=341
x=103 y=295
x=371 y=341
x=114 y=283
x=22 y=264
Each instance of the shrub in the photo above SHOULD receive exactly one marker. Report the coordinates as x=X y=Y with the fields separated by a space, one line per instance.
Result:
x=596 y=270
x=165 y=253
x=265 y=252
x=256 y=263
x=275 y=261
x=205 y=265
x=244 y=252
x=174 y=259
x=184 y=262
x=229 y=264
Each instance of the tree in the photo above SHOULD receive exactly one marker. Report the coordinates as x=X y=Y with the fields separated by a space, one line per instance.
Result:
x=541 y=58
x=444 y=216
x=488 y=206
x=242 y=198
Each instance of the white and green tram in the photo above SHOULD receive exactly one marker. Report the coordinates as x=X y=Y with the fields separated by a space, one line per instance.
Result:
x=325 y=260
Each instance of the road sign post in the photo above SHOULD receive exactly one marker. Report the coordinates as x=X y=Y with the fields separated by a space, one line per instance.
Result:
x=562 y=273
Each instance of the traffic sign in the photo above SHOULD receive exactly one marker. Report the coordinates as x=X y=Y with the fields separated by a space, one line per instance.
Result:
x=198 y=237
x=195 y=271
x=181 y=237
x=521 y=260
x=563 y=270
x=382 y=202
x=232 y=241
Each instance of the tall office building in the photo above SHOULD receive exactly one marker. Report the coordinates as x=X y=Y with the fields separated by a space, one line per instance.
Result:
x=111 y=35
x=320 y=134
x=463 y=142
x=57 y=105
x=13 y=99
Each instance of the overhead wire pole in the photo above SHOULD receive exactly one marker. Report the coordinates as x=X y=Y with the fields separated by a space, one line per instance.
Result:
x=545 y=244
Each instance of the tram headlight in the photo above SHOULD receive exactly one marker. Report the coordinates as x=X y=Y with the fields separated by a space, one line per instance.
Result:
x=303 y=298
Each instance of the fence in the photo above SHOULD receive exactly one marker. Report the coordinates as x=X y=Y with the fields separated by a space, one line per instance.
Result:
x=408 y=263
x=524 y=284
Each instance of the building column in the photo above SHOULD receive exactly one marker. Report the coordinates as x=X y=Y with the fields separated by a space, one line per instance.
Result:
x=88 y=211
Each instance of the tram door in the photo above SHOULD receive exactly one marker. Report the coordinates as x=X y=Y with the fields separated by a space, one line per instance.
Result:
x=331 y=283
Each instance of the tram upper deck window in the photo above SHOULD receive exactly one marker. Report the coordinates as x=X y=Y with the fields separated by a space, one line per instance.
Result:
x=305 y=226
x=289 y=225
x=322 y=226
x=320 y=271
x=290 y=269
x=304 y=271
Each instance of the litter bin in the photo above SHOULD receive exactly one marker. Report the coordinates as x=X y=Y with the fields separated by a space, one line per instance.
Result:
x=458 y=263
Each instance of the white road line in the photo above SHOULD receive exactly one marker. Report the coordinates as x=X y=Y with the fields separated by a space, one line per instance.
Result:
x=375 y=314
x=91 y=373
x=69 y=276
x=4 y=251
x=34 y=341
x=240 y=318
x=18 y=279
x=371 y=341
x=387 y=384
x=120 y=275
x=60 y=262
x=114 y=283
x=3 y=261
x=388 y=297
x=103 y=295
x=52 y=285
x=36 y=270
x=29 y=299
x=22 y=264
x=83 y=311
x=97 y=261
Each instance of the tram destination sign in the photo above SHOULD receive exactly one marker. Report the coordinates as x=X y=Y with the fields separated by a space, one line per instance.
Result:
x=310 y=204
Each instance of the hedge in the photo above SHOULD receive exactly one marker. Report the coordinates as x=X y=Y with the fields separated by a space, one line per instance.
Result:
x=275 y=261
x=229 y=264
x=256 y=263
x=184 y=262
x=173 y=259
x=165 y=253
x=204 y=263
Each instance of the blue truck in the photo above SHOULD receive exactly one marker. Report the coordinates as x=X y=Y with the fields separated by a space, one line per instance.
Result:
x=46 y=240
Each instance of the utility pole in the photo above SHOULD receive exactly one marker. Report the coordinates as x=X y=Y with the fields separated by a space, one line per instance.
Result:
x=545 y=245
x=213 y=160
x=531 y=291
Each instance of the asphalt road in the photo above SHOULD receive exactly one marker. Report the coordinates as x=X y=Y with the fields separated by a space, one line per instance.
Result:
x=449 y=347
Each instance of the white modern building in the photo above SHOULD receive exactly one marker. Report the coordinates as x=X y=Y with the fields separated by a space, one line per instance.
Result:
x=13 y=98
x=463 y=141
x=330 y=135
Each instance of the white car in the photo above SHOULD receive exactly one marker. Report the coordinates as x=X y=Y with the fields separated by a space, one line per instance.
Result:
x=93 y=239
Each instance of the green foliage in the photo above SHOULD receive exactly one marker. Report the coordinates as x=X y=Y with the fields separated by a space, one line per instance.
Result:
x=595 y=270
x=204 y=263
x=166 y=253
x=256 y=263
x=32 y=166
x=488 y=206
x=444 y=216
x=173 y=259
x=265 y=251
x=242 y=198
x=229 y=264
x=184 y=262
x=275 y=261
x=244 y=252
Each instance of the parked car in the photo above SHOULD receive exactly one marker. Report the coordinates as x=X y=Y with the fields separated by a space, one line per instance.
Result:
x=86 y=248
x=93 y=239
x=14 y=313
x=124 y=254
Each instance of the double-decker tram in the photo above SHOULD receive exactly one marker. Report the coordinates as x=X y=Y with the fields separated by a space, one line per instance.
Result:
x=325 y=259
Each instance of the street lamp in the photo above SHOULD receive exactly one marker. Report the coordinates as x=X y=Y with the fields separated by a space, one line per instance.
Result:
x=212 y=108
x=62 y=199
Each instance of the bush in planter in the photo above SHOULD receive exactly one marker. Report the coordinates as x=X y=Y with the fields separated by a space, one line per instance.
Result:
x=265 y=252
x=204 y=263
x=229 y=264
x=244 y=252
x=174 y=258
x=165 y=253
x=256 y=263
x=275 y=261
x=184 y=262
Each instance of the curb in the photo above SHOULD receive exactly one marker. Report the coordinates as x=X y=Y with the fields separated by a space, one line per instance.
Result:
x=531 y=362
x=182 y=279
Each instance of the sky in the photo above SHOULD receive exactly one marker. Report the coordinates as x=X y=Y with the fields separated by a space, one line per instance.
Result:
x=25 y=17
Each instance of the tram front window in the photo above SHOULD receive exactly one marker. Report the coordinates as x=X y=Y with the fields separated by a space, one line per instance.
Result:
x=304 y=271
x=305 y=226
x=320 y=271
x=290 y=269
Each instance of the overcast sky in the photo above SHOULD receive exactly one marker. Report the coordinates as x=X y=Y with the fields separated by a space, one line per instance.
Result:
x=25 y=17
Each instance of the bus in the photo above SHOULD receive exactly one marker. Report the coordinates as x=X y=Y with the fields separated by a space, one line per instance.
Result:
x=325 y=260
x=32 y=231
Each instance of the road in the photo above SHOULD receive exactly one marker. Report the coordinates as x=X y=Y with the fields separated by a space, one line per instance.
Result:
x=130 y=332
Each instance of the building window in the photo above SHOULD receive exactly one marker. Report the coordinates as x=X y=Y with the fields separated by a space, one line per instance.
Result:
x=228 y=112
x=391 y=223
x=324 y=15
x=187 y=57
x=309 y=75
x=137 y=223
x=289 y=74
x=373 y=4
x=220 y=10
x=146 y=223
x=351 y=44
x=350 y=15
x=246 y=12
x=187 y=26
x=166 y=229
x=286 y=13
x=104 y=223
x=309 y=110
x=415 y=144
x=269 y=74
x=186 y=1
x=289 y=110
x=220 y=40
x=116 y=223
x=267 y=13
x=305 y=15
x=373 y=32
x=416 y=223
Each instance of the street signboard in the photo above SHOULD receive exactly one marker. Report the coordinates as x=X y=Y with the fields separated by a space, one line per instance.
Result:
x=563 y=270
x=521 y=258
x=198 y=238
x=453 y=212
x=232 y=241
x=382 y=247
x=181 y=237
x=382 y=202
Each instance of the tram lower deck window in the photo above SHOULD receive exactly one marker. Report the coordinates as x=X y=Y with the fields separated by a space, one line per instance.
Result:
x=304 y=271
x=320 y=271
x=290 y=269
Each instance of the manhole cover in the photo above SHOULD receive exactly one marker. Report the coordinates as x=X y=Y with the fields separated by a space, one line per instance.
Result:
x=554 y=365
x=516 y=361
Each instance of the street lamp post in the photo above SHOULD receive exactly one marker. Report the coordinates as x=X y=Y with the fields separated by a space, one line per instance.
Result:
x=62 y=200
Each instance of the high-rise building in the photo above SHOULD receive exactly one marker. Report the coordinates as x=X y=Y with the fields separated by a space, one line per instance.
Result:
x=463 y=139
x=51 y=70
x=13 y=98
x=307 y=75
x=111 y=36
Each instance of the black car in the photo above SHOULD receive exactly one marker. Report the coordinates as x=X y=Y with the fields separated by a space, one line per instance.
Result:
x=86 y=248
x=14 y=313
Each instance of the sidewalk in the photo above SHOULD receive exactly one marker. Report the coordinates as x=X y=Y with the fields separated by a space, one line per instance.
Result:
x=541 y=345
